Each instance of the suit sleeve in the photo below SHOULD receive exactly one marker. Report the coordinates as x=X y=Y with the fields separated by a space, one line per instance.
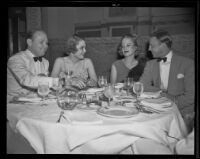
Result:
x=147 y=78
x=187 y=98
x=21 y=73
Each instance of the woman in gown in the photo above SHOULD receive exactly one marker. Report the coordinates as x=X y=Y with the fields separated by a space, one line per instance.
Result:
x=75 y=65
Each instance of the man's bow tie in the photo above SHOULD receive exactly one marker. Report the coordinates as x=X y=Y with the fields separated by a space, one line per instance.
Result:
x=37 y=58
x=160 y=59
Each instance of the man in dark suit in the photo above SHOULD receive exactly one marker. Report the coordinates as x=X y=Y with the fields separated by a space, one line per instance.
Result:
x=171 y=73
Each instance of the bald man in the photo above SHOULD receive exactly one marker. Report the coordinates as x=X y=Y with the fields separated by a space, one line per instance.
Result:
x=26 y=68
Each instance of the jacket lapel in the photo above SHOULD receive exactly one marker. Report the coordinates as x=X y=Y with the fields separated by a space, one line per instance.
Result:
x=31 y=64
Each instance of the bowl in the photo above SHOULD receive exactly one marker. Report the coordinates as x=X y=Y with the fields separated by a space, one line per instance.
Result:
x=66 y=103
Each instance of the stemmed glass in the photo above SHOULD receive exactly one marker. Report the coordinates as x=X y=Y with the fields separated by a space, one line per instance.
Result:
x=128 y=83
x=68 y=74
x=58 y=87
x=109 y=92
x=43 y=90
x=102 y=81
x=138 y=89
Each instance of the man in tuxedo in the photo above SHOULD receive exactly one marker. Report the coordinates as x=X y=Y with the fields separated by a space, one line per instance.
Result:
x=171 y=73
x=26 y=68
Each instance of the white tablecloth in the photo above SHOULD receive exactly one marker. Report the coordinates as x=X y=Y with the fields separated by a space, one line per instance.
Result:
x=108 y=136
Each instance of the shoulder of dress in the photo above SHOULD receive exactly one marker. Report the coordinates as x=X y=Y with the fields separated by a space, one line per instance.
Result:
x=116 y=62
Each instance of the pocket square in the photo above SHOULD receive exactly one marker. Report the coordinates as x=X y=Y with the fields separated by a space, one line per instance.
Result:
x=180 y=76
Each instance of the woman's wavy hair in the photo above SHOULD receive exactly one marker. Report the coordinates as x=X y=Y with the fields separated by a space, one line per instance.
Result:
x=163 y=36
x=71 y=44
x=134 y=39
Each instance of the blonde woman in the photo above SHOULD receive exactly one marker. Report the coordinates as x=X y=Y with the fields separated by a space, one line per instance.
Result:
x=82 y=70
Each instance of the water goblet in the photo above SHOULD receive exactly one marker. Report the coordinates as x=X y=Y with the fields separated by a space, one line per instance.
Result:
x=128 y=83
x=138 y=89
x=43 y=90
x=109 y=92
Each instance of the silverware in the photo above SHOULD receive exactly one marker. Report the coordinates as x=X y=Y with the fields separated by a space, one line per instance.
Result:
x=61 y=115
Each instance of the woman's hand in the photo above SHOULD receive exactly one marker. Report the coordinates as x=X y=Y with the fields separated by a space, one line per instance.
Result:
x=91 y=83
x=78 y=82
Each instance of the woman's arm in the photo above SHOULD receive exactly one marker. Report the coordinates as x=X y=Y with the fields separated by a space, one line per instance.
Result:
x=56 y=68
x=91 y=70
x=113 y=76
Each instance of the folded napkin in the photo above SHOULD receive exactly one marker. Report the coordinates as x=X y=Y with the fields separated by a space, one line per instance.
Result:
x=150 y=94
x=28 y=99
x=80 y=117
x=162 y=103
x=32 y=100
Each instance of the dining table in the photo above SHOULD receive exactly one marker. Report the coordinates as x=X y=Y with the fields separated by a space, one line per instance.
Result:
x=92 y=131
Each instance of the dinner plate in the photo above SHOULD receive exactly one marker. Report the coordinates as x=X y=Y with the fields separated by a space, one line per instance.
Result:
x=118 y=112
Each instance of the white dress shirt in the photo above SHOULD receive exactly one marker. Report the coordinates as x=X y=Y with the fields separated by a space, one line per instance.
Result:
x=39 y=66
x=164 y=70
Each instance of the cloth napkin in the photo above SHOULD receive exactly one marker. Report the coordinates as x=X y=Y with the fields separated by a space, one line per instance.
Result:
x=162 y=103
x=150 y=94
x=81 y=117
x=32 y=100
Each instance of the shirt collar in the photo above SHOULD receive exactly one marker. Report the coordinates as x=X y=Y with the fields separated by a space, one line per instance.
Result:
x=169 y=56
x=30 y=53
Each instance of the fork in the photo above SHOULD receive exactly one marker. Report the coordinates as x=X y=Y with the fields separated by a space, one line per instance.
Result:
x=61 y=115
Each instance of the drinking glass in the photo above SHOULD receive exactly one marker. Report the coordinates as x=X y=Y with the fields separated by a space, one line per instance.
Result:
x=109 y=92
x=138 y=89
x=69 y=73
x=43 y=90
x=128 y=83
x=102 y=81
x=58 y=86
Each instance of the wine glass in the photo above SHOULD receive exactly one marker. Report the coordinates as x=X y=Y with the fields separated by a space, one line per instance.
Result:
x=68 y=74
x=102 y=81
x=128 y=83
x=109 y=92
x=58 y=86
x=138 y=89
x=43 y=90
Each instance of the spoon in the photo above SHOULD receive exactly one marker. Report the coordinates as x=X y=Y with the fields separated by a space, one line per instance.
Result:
x=61 y=114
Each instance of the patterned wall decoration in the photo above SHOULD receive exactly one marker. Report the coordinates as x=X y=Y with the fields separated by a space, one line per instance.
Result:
x=103 y=51
x=33 y=17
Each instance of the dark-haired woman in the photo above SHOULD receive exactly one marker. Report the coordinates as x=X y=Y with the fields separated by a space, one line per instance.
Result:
x=82 y=69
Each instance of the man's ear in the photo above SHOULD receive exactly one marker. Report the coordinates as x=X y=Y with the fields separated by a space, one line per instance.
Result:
x=29 y=42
